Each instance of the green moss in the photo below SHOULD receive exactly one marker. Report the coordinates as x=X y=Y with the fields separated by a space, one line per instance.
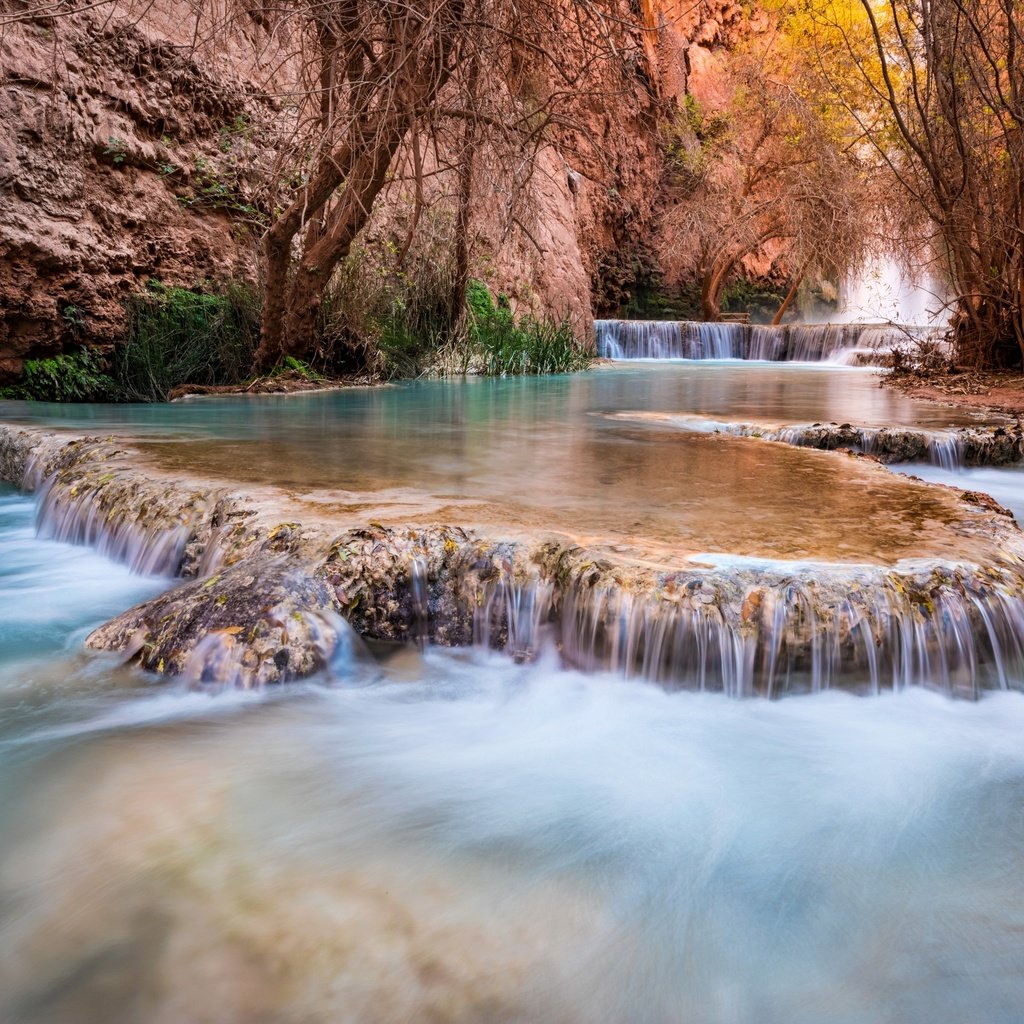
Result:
x=71 y=377
x=758 y=298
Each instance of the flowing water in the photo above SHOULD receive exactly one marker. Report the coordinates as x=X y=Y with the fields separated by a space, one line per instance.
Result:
x=841 y=343
x=434 y=835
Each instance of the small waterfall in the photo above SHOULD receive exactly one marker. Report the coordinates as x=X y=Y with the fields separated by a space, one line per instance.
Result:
x=687 y=339
x=511 y=616
x=670 y=339
x=78 y=517
x=884 y=290
x=418 y=580
x=780 y=635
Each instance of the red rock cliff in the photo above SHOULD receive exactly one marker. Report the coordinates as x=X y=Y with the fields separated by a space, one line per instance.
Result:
x=124 y=155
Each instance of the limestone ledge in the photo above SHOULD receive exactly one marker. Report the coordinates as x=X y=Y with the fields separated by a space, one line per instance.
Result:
x=1001 y=444
x=267 y=599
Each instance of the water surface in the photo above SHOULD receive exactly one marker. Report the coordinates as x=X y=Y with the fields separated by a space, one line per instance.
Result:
x=544 y=454
x=448 y=836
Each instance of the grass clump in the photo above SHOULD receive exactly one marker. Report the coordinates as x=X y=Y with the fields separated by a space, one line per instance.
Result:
x=507 y=345
x=71 y=377
x=296 y=368
x=182 y=336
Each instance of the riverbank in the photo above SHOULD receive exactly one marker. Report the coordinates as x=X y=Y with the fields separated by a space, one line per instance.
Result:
x=995 y=391
x=287 y=382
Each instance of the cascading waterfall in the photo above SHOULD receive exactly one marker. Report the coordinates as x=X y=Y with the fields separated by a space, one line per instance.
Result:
x=941 y=628
x=78 y=518
x=747 y=629
x=690 y=339
x=741 y=627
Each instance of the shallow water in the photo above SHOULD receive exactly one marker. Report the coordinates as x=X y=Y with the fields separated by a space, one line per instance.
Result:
x=797 y=393
x=450 y=836
x=545 y=454
x=1004 y=483
x=514 y=843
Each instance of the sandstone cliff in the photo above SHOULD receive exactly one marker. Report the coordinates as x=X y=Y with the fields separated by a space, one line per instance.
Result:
x=127 y=154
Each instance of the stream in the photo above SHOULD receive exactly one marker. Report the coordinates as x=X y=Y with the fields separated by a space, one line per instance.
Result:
x=448 y=835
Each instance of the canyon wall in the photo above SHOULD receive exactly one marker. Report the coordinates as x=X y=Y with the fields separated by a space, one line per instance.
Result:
x=128 y=154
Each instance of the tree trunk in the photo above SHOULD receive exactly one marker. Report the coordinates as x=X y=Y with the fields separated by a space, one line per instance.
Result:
x=409 y=77
x=711 y=291
x=460 y=277
x=311 y=277
x=790 y=295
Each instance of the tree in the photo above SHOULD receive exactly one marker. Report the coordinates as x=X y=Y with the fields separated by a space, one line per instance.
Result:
x=763 y=176
x=379 y=65
x=392 y=90
x=940 y=102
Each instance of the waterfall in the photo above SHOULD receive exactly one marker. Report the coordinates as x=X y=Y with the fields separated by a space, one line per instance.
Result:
x=942 y=628
x=670 y=339
x=884 y=291
x=691 y=339
x=77 y=516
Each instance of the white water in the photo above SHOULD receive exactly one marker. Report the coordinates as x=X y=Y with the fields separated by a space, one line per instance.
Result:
x=517 y=843
x=884 y=292
x=883 y=307
x=48 y=590
x=851 y=343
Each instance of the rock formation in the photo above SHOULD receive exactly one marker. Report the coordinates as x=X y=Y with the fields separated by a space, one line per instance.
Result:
x=127 y=154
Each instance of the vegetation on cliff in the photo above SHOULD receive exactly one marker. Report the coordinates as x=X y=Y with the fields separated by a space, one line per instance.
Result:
x=380 y=155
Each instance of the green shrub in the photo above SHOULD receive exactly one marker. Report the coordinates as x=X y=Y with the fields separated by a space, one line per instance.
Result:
x=71 y=377
x=180 y=336
x=388 y=315
x=395 y=314
x=507 y=344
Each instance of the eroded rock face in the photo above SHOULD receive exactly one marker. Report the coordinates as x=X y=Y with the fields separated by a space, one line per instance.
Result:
x=112 y=132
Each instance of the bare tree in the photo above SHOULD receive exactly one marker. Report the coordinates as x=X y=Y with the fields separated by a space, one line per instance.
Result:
x=399 y=91
x=761 y=177
x=453 y=101
x=941 y=100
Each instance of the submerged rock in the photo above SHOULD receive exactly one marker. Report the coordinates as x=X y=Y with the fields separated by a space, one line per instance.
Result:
x=263 y=621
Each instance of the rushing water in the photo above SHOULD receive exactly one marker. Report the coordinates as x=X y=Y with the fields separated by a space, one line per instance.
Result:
x=451 y=836
x=841 y=343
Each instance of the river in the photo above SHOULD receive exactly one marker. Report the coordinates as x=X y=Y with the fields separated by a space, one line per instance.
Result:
x=449 y=835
